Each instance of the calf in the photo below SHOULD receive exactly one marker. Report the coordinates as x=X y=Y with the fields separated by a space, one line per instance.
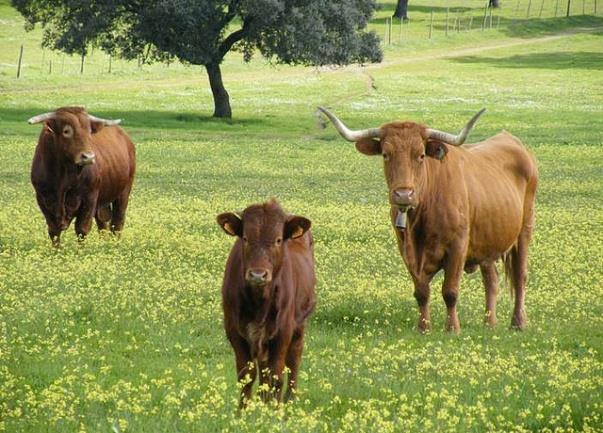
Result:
x=267 y=294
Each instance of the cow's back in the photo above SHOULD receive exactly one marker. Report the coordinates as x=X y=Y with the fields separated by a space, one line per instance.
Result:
x=116 y=162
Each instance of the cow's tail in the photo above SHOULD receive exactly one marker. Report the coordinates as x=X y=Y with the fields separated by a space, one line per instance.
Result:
x=510 y=262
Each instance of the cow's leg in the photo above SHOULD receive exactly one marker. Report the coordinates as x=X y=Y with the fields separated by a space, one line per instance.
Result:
x=453 y=270
x=246 y=369
x=490 y=277
x=54 y=233
x=422 y=292
x=519 y=256
x=83 y=221
x=277 y=353
x=119 y=210
x=292 y=362
x=103 y=216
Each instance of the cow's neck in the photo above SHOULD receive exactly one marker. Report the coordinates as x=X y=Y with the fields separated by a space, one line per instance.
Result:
x=417 y=225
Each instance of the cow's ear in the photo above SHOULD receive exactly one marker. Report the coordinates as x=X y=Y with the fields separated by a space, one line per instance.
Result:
x=296 y=226
x=368 y=146
x=436 y=149
x=230 y=223
x=50 y=126
x=96 y=126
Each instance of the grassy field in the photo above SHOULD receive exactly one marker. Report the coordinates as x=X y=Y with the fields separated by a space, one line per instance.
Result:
x=126 y=334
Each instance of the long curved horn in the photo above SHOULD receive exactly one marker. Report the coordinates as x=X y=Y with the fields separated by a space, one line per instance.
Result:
x=104 y=121
x=347 y=133
x=459 y=139
x=42 y=117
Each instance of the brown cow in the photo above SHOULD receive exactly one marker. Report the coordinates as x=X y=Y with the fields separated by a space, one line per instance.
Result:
x=267 y=294
x=460 y=208
x=83 y=166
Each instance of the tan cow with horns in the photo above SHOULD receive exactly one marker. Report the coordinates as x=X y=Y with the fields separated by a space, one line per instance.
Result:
x=83 y=167
x=456 y=208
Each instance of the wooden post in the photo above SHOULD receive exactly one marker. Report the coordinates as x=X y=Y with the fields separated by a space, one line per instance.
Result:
x=529 y=6
x=569 y=2
x=430 y=26
x=390 y=30
x=19 y=63
x=557 y=7
x=43 y=57
x=541 y=8
x=447 y=13
x=82 y=64
x=583 y=7
x=491 y=18
x=595 y=7
x=50 y=67
x=470 y=23
x=110 y=63
x=63 y=63
x=485 y=17
x=400 y=31
x=458 y=22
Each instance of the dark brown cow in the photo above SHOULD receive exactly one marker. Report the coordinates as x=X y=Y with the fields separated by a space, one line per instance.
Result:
x=83 y=167
x=459 y=208
x=267 y=294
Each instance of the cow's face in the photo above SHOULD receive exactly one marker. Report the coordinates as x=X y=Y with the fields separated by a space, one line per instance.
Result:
x=263 y=229
x=404 y=148
x=72 y=132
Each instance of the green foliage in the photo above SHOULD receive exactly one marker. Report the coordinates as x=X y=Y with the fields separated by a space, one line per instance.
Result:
x=202 y=32
x=126 y=333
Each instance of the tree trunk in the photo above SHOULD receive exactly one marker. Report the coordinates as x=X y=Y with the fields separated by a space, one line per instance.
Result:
x=402 y=9
x=221 y=98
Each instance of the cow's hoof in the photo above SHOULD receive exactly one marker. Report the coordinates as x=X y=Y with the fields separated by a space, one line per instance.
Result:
x=519 y=321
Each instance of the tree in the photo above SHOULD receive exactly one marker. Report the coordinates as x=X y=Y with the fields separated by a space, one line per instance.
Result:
x=202 y=32
x=401 y=9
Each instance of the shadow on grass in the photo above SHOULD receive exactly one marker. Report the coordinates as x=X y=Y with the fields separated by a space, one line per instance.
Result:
x=149 y=119
x=556 y=61
x=535 y=27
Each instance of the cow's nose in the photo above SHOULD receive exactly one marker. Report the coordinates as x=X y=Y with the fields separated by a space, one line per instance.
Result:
x=87 y=158
x=257 y=275
x=403 y=196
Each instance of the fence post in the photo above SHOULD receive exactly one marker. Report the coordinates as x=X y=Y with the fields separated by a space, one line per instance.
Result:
x=529 y=6
x=50 y=67
x=431 y=24
x=19 y=64
x=390 y=30
x=63 y=63
x=595 y=7
x=557 y=7
x=447 y=13
x=82 y=64
x=583 y=7
x=109 y=63
x=458 y=23
x=491 y=18
x=569 y=2
x=470 y=23
x=485 y=16
x=400 y=31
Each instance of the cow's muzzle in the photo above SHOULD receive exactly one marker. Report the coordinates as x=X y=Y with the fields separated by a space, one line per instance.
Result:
x=257 y=277
x=86 y=158
x=404 y=198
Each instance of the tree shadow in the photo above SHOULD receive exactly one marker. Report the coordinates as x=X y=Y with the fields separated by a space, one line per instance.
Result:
x=556 y=60
x=536 y=27
x=152 y=119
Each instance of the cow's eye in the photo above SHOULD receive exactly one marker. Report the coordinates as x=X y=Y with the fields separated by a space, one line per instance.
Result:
x=67 y=131
x=386 y=157
x=279 y=241
x=245 y=239
x=421 y=157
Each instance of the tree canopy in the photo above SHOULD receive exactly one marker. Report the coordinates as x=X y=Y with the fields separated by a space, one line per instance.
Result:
x=202 y=32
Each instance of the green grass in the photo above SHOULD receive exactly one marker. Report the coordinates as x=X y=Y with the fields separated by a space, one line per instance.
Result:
x=128 y=331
